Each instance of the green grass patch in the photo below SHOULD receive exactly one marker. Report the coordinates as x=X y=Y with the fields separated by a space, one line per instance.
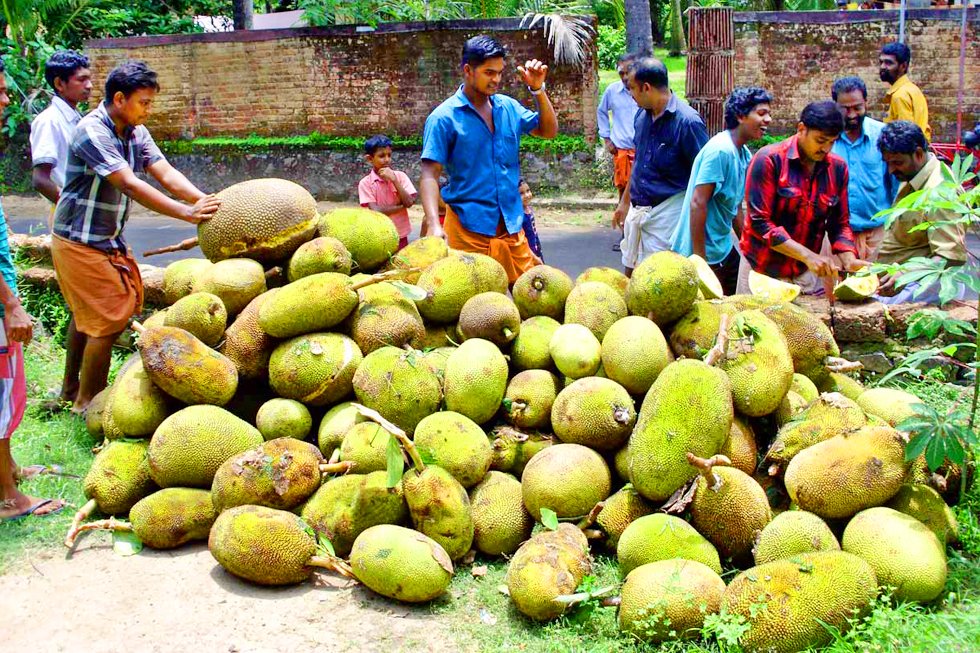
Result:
x=676 y=73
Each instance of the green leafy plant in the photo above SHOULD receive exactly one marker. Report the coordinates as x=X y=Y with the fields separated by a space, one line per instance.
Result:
x=611 y=45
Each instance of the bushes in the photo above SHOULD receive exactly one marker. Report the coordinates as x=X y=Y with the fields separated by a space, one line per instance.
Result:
x=611 y=42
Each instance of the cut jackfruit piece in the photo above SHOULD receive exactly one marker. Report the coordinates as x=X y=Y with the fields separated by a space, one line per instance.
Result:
x=771 y=289
x=707 y=281
x=856 y=288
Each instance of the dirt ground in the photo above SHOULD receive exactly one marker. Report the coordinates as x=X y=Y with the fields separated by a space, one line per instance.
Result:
x=183 y=601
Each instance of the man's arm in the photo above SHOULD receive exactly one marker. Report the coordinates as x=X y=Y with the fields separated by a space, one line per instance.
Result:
x=126 y=181
x=602 y=120
x=43 y=183
x=17 y=322
x=699 y=217
x=175 y=181
x=429 y=190
x=623 y=208
x=534 y=73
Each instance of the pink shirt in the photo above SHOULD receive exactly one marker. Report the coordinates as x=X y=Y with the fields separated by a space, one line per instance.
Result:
x=372 y=189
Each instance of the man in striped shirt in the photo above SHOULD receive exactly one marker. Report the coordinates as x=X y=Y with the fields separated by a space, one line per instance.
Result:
x=110 y=151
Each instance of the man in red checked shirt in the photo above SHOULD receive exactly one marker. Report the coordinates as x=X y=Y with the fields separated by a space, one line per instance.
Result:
x=796 y=192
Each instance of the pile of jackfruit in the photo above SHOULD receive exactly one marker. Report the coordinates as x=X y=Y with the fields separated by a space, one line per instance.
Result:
x=313 y=399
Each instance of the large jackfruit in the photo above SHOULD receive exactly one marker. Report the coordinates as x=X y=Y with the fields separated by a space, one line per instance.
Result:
x=661 y=537
x=452 y=280
x=369 y=236
x=529 y=398
x=609 y=276
x=688 y=409
x=185 y=368
x=793 y=532
x=596 y=306
x=283 y=418
x=457 y=444
x=139 y=405
x=246 y=344
x=928 y=506
x=418 y=255
x=595 y=412
x=365 y=445
x=810 y=340
x=314 y=303
x=549 y=565
x=316 y=369
x=280 y=473
x=848 y=473
x=475 y=380
x=529 y=350
x=179 y=277
x=401 y=564
x=542 y=290
x=173 y=516
x=585 y=481
x=758 y=363
x=321 y=254
x=500 y=520
x=237 y=281
x=831 y=414
x=696 y=331
x=620 y=510
x=792 y=604
x=384 y=317
x=490 y=316
x=663 y=287
x=904 y=553
x=440 y=508
x=890 y=404
x=634 y=353
x=190 y=445
x=119 y=477
x=200 y=313
x=399 y=384
x=262 y=219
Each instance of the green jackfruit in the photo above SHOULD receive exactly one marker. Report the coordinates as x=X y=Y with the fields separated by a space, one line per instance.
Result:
x=762 y=373
x=549 y=565
x=317 y=369
x=93 y=414
x=585 y=481
x=173 y=516
x=457 y=444
x=490 y=316
x=201 y=314
x=283 y=418
x=927 y=505
x=334 y=426
x=661 y=537
x=500 y=520
x=369 y=236
x=595 y=412
x=448 y=283
x=418 y=254
x=475 y=380
x=793 y=532
x=401 y=564
x=139 y=405
x=384 y=317
x=663 y=287
x=323 y=254
x=365 y=445
x=889 y=404
x=634 y=352
x=158 y=318
x=844 y=384
x=804 y=387
x=809 y=339
x=399 y=385
x=246 y=345
x=596 y=306
x=185 y=368
x=179 y=277
x=440 y=508
x=542 y=290
x=529 y=398
x=576 y=351
x=729 y=508
x=740 y=447
x=697 y=330
x=609 y=276
x=237 y=281
x=621 y=509
x=280 y=473
x=314 y=303
x=790 y=408
x=119 y=477
x=530 y=349
x=830 y=415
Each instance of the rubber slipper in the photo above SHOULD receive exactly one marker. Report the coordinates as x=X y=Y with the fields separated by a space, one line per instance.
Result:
x=34 y=508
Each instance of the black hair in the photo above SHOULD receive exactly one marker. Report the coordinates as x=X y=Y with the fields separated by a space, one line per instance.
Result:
x=522 y=180
x=626 y=58
x=848 y=84
x=375 y=143
x=647 y=70
x=823 y=116
x=742 y=101
x=129 y=77
x=898 y=50
x=902 y=137
x=63 y=64
x=480 y=48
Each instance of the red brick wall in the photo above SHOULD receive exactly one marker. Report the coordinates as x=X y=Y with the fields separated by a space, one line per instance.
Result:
x=336 y=81
x=798 y=55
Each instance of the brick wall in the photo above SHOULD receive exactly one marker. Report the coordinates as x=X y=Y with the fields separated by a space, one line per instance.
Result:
x=335 y=81
x=798 y=55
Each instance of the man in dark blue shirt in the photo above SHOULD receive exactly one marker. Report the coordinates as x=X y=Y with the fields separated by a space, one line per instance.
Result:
x=669 y=134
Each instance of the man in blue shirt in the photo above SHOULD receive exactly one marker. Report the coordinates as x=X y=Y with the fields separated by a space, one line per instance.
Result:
x=475 y=135
x=870 y=188
x=714 y=195
x=668 y=136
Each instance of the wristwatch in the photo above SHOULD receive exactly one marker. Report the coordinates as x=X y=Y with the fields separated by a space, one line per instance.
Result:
x=537 y=92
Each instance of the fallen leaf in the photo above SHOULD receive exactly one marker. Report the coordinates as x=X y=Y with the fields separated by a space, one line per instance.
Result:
x=479 y=571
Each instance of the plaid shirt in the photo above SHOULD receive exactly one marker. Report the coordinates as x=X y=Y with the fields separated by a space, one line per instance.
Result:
x=787 y=202
x=91 y=210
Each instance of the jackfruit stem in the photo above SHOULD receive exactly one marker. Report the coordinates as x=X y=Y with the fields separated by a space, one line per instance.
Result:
x=190 y=243
x=538 y=283
x=582 y=597
x=837 y=364
x=399 y=434
x=138 y=327
x=336 y=467
x=621 y=415
x=507 y=333
x=593 y=533
x=590 y=518
x=382 y=276
x=717 y=353
x=111 y=524
x=83 y=513
x=333 y=564
x=705 y=467
x=518 y=405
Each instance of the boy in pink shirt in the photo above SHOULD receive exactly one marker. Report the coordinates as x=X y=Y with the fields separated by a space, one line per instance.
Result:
x=385 y=190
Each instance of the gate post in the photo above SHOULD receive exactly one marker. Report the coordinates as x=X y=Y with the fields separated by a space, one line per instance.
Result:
x=710 y=63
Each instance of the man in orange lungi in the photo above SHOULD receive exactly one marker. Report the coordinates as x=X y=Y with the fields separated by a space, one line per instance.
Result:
x=615 y=116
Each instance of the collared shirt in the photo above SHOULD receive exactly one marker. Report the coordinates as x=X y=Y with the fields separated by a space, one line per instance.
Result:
x=906 y=102
x=901 y=243
x=870 y=188
x=91 y=210
x=51 y=132
x=666 y=146
x=785 y=202
x=483 y=168
x=617 y=100
x=720 y=163
x=7 y=270
x=373 y=189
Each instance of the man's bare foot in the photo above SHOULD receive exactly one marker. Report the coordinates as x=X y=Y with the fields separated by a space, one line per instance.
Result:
x=22 y=505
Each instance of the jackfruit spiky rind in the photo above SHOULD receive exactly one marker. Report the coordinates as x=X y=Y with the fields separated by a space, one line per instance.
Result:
x=283 y=418
x=200 y=313
x=237 y=281
x=792 y=604
x=490 y=316
x=530 y=396
x=620 y=510
x=549 y=565
x=830 y=415
x=384 y=317
x=440 y=508
x=529 y=350
x=119 y=477
x=321 y=254
x=185 y=368
x=457 y=444
x=804 y=387
x=314 y=303
x=890 y=404
x=418 y=254
x=280 y=473
x=542 y=290
x=595 y=412
x=790 y=533
x=810 y=341
x=740 y=446
x=246 y=344
x=500 y=520
x=928 y=506
x=731 y=512
x=475 y=380
x=334 y=426
x=452 y=280
x=316 y=369
x=365 y=445
x=661 y=537
x=595 y=305
x=634 y=352
x=663 y=287
x=575 y=350
x=179 y=277
x=585 y=481
x=93 y=414
x=369 y=236
x=609 y=276
x=174 y=516
x=696 y=331
x=263 y=545
x=760 y=377
x=139 y=406
x=401 y=564
x=399 y=384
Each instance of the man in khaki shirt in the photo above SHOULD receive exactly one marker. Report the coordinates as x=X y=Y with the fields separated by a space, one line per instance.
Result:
x=904 y=149
x=905 y=99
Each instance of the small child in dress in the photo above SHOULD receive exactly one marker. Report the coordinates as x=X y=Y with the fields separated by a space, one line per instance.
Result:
x=530 y=229
x=386 y=190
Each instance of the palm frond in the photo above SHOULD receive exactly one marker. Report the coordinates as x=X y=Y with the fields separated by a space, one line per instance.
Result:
x=568 y=36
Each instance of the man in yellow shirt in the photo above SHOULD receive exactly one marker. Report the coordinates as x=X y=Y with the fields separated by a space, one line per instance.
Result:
x=905 y=99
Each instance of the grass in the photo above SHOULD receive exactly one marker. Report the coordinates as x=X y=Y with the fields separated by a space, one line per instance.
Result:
x=676 y=73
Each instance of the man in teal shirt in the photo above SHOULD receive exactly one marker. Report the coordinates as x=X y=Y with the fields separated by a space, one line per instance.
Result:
x=717 y=186
x=870 y=187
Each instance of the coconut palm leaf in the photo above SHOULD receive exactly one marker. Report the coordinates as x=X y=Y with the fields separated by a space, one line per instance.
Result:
x=568 y=35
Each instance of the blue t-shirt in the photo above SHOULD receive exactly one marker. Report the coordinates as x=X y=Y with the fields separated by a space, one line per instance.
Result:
x=6 y=260
x=870 y=187
x=721 y=164
x=483 y=168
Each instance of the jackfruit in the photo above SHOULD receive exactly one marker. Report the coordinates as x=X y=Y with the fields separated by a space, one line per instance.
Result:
x=904 y=553
x=317 y=369
x=697 y=330
x=384 y=317
x=926 y=505
x=179 y=277
x=500 y=520
x=440 y=508
x=529 y=398
x=790 y=408
x=314 y=303
x=185 y=368
x=595 y=412
x=804 y=387
x=418 y=254
x=530 y=349
x=844 y=384
x=810 y=340
x=634 y=352
x=369 y=236
x=661 y=537
x=856 y=288
x=346 y=506
x=436 y=336
x=596 y=306
x=173 y=516
x=793 y=604
x=157 y=319
x=201 y=314
x=542 y=290
x=688 y=409
x=119 y=477
x=321 y=254
x=489 y=274
x=401 y=564
x=663 y=287
x=455 y=443
x=758 y=364
x=139 y=405
x=584 y=481
x=609 y=276
x=334 y=426
x=475 y=380
x=237 y=281
x=283 y=418
x=621 y=462
x=246 y=345
x=831 y=414
x=575 y=350
x=93 y=414
x=790 y=533
x=772 y=290
x=669 y=599
x=280 y=473
x=740 y=447
x=889 y=404
x=448 y=283
x=365 y=445
x=708 y=282
x=190 y=445
x=490 y=316
x=437 y=359
x=398 y=384
x=848 y=473
x=513 y=449
x=549 y=565
x=621 y=509
x=729 y=508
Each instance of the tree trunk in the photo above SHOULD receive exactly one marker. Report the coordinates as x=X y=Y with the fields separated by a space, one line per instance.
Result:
x=242 y=14
x=678 y=43
x=639 y=32
x=656 y=27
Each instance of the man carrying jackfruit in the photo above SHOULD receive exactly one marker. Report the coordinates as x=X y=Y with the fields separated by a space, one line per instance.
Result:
x=98 y=276
x=475 y=135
